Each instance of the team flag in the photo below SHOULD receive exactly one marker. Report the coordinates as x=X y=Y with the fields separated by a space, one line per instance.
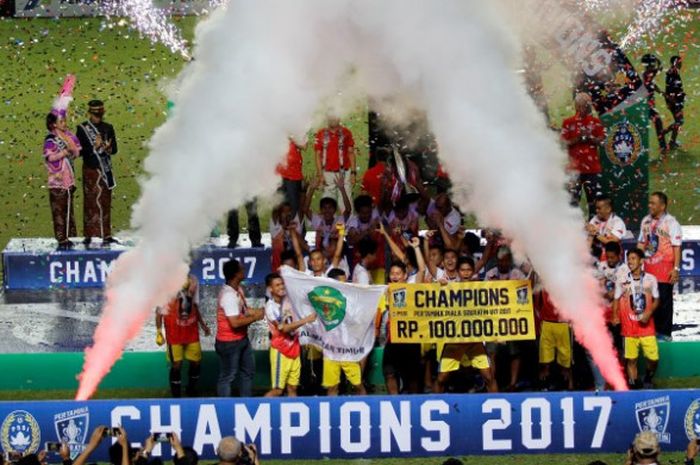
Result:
x=344 y=327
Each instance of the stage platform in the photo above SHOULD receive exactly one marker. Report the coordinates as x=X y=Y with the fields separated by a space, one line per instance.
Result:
x=34 y=263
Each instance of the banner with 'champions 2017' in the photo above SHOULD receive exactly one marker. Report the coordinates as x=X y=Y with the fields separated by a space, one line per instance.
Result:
x=366 y=427
x=461 y=312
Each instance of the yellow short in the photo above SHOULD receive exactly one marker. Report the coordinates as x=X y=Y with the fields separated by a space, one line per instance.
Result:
x=474 y=356
x=555 y=339
x=179 y=352
x=650 y=348
x=284 y=370
x=332 y=369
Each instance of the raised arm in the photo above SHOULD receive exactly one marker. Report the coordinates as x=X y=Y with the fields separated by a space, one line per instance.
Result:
x=432 y=268
x=296 y=244
x=347 y=203
x=338 y=254
x=420 y=261
x=91 y=446
x=393 y=246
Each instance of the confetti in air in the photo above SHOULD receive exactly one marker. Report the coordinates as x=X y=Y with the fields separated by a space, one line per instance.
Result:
x=652 y=17
x=149 y=20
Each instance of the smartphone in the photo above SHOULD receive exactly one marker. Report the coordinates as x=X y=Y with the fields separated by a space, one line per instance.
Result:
x=162 y=437
x=52 y=446
x=111 y=432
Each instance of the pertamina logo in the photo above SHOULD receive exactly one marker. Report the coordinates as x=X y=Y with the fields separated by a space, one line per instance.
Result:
x=72 y=428
x=652 y=415
x=329 y=303
x=20 y=432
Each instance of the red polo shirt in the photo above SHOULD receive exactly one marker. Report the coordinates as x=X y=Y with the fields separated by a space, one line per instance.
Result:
x=330 y=140
x=583 y=156
x=292 y=168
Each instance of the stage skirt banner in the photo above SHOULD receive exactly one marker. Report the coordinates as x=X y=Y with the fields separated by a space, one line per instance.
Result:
x=368 y=427
x=344 y=327
x=461 y=312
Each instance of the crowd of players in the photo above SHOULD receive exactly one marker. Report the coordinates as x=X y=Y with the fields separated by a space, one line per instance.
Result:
x=375 y=238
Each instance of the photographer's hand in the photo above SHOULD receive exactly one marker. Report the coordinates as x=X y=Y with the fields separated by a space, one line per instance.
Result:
x=252 y=453
x=175 y=442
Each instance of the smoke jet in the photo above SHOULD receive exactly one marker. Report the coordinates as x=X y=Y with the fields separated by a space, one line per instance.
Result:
x=262 y=69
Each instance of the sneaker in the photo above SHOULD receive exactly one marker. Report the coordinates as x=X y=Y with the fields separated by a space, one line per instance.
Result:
x=258 y=245
x=648 y=385
x=675 y=145
x=87 y=241
x=232 y=245
x=110 y=240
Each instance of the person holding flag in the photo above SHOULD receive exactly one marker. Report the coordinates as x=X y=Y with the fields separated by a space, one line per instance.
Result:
x=344 y=328
x=99 y=144
x=285 y=349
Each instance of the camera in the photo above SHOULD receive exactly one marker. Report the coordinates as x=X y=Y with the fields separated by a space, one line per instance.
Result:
x=111 y=432
x=52 y=446
x=162 y=437
x=245 y=458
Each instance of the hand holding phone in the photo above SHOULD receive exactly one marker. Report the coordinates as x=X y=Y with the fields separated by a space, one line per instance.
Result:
x=52 y=446
x=162 y=437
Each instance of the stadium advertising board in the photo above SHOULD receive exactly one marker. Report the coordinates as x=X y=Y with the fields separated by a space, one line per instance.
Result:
x=89 y=269
x=364 y=427
x=461 y=312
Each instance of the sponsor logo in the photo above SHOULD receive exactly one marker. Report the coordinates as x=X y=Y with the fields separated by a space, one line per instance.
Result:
x=72 y=428
x=692 y=420
x=624 y=144
x=652 y=415
x=329 y=304
x=399 y=298
x=523 y=295
x=20 y=432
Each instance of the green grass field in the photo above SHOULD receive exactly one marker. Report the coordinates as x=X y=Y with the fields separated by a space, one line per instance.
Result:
x=113 y=63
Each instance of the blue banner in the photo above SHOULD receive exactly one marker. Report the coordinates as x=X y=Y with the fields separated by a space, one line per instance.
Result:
x=368 y=427
x=89 y=268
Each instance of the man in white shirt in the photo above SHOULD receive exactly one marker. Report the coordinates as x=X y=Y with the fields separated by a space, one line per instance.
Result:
x=232 y=344
x=605 y=226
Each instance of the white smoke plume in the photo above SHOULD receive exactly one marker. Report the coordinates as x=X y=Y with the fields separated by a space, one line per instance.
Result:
x=262 y=69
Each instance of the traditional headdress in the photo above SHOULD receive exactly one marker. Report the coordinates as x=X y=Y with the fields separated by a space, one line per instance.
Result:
x=65 y=96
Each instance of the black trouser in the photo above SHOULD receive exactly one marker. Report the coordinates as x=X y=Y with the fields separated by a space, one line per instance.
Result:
x=655 y=118
x=292 y=194
x=591 y=185
x=233 y=228
x=663 y=316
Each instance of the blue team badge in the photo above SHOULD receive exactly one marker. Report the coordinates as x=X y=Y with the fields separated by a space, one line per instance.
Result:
x=692 y=420
x=399 y=298
x=20 y=432
x=652 y=415
x=609 y=285
x=72 y=428
x=624 y=143
x=523 y=295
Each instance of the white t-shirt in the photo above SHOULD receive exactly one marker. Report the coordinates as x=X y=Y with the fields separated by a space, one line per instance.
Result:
x=648 y=284
x=360 y=275
x=343 y=265
x=614 y=226
x=277 y=229
x=230 y=301
x=355 y=223
x=406 y=224
x=452 y=221
x=319 y=225
x=494 y=275
x=439 y=275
